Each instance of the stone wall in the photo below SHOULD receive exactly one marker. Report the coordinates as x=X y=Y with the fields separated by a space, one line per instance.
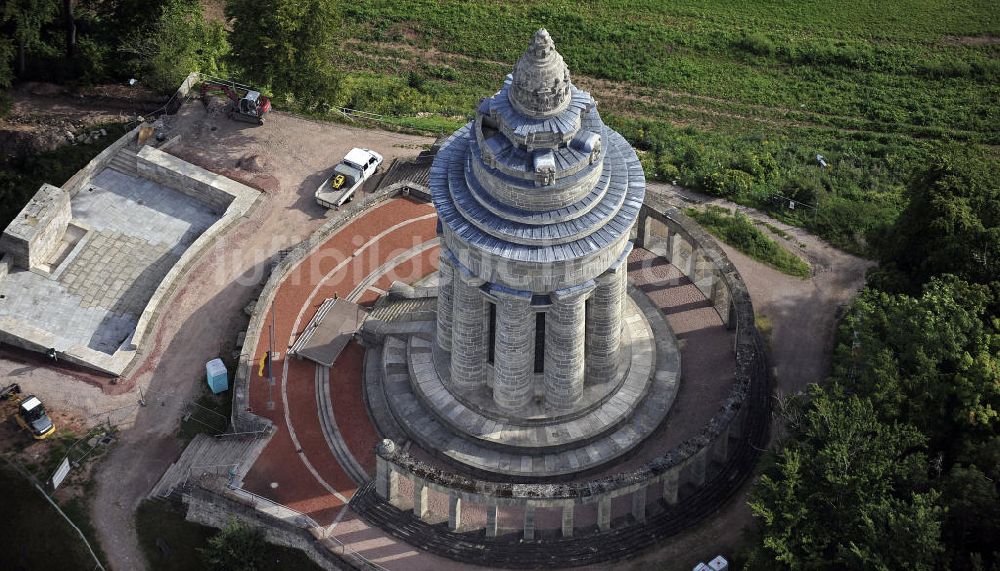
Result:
x=219 y=509
x=216 y=191
x=34 y=235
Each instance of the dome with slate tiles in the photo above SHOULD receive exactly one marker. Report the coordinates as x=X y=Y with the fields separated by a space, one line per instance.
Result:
x=536 y=198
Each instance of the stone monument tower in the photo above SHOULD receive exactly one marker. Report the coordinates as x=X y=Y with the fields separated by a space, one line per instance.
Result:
x=536 y=198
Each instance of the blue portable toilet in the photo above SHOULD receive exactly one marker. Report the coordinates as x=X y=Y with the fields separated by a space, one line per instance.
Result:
x=218 y=377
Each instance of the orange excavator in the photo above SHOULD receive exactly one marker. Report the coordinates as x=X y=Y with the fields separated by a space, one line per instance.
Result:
x=250 y=107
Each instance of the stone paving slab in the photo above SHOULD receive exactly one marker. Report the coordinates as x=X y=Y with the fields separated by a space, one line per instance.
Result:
x=136 y=230
x=142 y=208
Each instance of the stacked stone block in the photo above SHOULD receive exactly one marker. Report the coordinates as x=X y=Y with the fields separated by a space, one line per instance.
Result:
x=564 y=353
x=604 y=323
x=34 y=235
x=514 y=353
x=469 y=333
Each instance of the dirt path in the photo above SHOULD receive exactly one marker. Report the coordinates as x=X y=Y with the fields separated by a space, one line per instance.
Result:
x=803 y=313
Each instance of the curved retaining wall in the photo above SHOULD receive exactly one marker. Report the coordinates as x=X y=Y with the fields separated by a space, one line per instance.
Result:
x=692 y=480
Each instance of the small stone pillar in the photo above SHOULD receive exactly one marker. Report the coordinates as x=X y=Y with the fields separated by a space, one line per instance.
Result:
x=671 y=484
x=720 y=449
x=604 y=323
x=604 y=512
x=446 y=300
x=529 y=521
x=386 y=478
x=492 y=515
x=567 y=520
x=698 y=464
x=682 y=254
x=639 y=504
x=470 y=328
x=704 y=275
x=667 y=250
x=564 y=347
x=641 y=228
x=419 y=498
x=721 y=301
x=514 y=350
x=454 y=512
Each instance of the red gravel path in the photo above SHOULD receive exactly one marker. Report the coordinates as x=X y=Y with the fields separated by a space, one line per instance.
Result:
x=305 y=474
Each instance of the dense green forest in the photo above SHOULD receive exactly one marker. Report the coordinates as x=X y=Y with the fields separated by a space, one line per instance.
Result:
x=895 y=461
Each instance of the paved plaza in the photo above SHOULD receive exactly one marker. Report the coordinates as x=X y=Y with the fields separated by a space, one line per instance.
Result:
x=125 y=234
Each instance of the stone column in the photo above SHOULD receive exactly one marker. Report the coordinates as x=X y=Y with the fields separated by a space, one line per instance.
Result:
x=446 y=300
x=514 y=350
x=419 y=498
x=604 y=512
x=703 y=274
x=721 y=300
x=454 y=512
x=698 y=464
x=564 y=347
x=386 y=478
x=567 y=520
x=604 y=323
x=639 y=504
x=492 y=513
x=529 y=521
x=671 y=482
x=642 y=222
x=470 y=328
x=720 y=450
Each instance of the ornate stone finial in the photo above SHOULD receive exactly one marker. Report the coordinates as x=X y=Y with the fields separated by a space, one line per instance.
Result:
x=542 y=44
x=540 y=86
x=387 y=446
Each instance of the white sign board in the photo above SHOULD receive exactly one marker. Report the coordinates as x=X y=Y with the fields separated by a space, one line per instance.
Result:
x=60 y=473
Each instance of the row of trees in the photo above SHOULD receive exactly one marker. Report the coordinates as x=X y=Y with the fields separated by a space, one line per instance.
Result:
x=283 y=46
x=895 y=463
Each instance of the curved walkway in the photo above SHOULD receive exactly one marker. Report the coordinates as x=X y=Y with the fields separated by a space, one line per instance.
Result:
x=303 y=465
x=298 y=468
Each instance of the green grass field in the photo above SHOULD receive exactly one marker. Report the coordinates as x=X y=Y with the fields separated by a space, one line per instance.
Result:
x=732 y=98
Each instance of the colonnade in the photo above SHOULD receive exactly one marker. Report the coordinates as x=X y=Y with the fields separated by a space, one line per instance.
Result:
x=581 y=341
x=390 y=476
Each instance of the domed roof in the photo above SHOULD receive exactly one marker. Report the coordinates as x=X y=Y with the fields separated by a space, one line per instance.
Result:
x=541 y=85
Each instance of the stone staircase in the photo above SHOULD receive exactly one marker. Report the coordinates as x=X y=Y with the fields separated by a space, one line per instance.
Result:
x=418 y=309
x=124 y=161
x=229 y=456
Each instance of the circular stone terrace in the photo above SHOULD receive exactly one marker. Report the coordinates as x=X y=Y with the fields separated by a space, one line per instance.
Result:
x=407 y=503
